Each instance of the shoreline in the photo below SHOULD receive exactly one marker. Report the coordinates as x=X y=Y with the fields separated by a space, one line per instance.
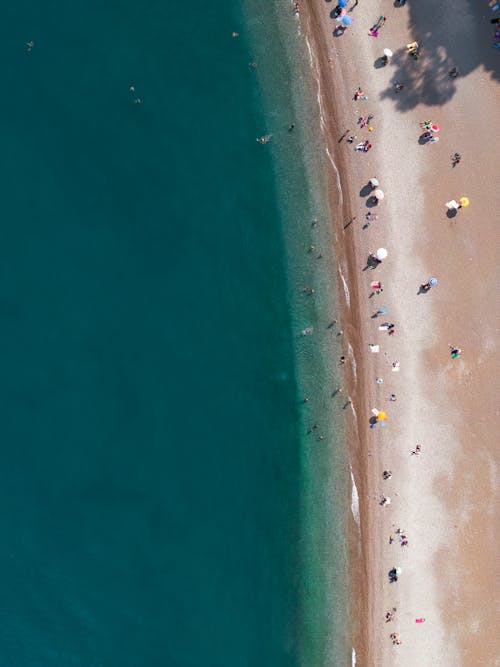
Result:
x=339 y=197
x=435 y=524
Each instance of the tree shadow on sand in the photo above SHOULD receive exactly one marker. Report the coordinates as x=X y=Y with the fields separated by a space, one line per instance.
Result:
x=464 y=42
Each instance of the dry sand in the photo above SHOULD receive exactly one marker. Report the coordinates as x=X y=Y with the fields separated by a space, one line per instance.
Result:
x=444 y=499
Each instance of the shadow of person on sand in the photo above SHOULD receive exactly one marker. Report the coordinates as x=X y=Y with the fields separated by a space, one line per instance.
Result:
x=379 y=63
x=423 y=139
x=339 y=31
x=372 y=262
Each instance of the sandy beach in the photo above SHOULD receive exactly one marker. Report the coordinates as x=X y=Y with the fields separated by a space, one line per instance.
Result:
x=442 y=498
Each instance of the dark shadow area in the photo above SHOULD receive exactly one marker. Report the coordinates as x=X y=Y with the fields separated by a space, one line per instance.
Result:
x=451 y=213
x=379 y=63
x=339 y=31
x=372 y=262
x=365 y=190
x=371 y=202
x=467 y=46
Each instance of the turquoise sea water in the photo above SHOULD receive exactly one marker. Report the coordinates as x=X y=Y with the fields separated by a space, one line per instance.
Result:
x=157 y=493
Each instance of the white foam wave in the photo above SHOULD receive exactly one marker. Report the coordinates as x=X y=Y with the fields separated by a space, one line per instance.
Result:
x=353 y=657
x=354 y=500
x=346 y=289
x=355 y=416
x=337 y=176
x=313 y=61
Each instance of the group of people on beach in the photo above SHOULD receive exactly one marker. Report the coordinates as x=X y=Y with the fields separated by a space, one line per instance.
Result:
x=429 y=135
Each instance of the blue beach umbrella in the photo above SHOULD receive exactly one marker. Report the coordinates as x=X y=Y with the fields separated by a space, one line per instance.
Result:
x=433 y=281
x=346 y=20
x=343 y=3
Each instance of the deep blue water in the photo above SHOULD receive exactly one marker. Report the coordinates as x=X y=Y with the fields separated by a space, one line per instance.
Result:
x=150 y=456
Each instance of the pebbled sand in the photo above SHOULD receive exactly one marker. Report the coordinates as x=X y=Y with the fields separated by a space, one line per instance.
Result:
x=446 y=499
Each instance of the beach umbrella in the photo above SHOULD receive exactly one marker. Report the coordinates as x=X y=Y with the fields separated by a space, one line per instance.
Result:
x=388 y=53
x=379 y=195
x=382 y=310
x=381 y=253
x=374 y=182
x=433 y=281
x=434 y=127
x=464 y=201
x=382 y=416
x=375 y=411
x=343 y=12
x=398 y=571
x=342 y=3
x=346 y=20
x=451 y=204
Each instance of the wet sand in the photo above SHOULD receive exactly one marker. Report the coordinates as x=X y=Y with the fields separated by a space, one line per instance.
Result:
x=443 y=498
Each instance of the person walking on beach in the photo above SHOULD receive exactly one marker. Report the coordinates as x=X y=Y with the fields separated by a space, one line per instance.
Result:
x=455 y=159
x=417 y=450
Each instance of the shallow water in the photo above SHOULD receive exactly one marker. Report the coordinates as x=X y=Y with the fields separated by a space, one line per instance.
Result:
x=156 y=487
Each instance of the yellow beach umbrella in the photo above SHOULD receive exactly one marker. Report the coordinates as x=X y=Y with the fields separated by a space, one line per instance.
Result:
x=464 y=201
x=382 y=416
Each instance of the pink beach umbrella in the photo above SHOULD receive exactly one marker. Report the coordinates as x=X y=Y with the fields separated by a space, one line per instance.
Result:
x=434 y=127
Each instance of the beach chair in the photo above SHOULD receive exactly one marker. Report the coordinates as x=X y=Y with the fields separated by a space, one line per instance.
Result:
x=412 y=46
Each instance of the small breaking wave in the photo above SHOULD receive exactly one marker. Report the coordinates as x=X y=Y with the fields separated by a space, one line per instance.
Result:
x=346 y=289
x=354 y=500
x=353 y=657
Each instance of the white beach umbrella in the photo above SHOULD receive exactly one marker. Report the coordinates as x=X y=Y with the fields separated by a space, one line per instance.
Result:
x=379 y=194
x=381 y=253
x=374 y=182
x=388 y=53
x=452 y=204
